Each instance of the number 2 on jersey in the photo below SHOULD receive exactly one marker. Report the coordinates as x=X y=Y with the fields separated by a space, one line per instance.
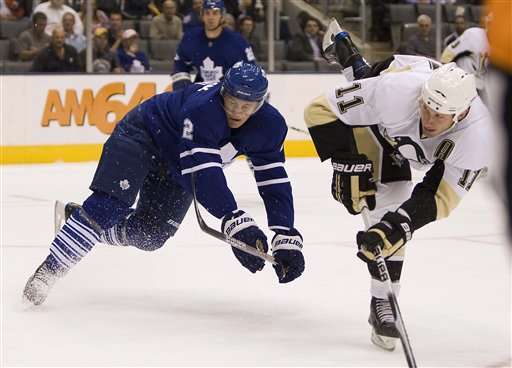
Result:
x=188 y=129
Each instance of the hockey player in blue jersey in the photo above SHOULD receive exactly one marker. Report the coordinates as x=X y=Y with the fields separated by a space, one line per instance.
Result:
x=152 y=153
x=210 y=50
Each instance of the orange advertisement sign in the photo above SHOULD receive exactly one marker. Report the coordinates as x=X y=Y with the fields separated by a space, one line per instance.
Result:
x=102 y=109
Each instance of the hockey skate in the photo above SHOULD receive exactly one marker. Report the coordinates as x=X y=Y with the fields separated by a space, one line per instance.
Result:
x=339 y=49
x=39 y=284
x=384 y=331
x=62 y=212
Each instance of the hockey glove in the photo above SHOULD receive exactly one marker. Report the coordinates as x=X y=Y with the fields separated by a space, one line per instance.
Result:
x=241 y=226
x=180 y=80
x=390 y=234
x=287 y=251
x=351 y=180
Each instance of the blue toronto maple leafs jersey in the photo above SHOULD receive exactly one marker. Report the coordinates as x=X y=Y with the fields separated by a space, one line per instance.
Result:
x=190 y=129
x=210 y=57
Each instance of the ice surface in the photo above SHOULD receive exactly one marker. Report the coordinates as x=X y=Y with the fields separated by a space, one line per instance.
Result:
x=191 y=303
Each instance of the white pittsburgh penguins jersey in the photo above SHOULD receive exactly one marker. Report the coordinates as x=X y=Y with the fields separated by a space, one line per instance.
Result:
x=470 y=52
x=391 y=101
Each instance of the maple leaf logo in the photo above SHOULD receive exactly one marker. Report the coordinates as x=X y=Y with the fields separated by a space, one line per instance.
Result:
x=210 y=72
x=124 y=184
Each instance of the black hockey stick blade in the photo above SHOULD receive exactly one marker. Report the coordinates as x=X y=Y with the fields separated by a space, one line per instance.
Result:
x=227 y=239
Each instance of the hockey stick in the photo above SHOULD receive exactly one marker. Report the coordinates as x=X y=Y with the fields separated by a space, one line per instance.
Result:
x=298 y=129
x=384 y=276
x=227 y=239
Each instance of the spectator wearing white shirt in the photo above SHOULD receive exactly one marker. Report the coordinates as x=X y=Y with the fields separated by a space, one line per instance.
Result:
x=54 y=10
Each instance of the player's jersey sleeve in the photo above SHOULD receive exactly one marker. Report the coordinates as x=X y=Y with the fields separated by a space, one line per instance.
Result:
x=183 y=62
x=471 y=43
x=262 y=141
x=182 y=59
x=461 y=157
x=243 y=50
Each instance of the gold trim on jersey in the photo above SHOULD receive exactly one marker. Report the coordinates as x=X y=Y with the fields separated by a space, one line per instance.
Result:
x=446 y=199
x=318 y=112
x=447 y=56
x=368 y=144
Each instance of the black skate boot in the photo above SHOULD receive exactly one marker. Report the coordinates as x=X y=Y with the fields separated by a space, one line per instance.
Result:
x=62 y=212
x=339 y=49
x=41 y=282
x=384 y=331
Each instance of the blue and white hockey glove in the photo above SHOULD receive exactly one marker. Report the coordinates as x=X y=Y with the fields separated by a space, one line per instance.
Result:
x=390 y=234
x=241 y=226
x=352 y=180
x=180 y=80
x=287 y=251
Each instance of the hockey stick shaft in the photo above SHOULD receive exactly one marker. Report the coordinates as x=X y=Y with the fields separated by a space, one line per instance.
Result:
x=386 y=279
x=227 y=239
x=298 y=129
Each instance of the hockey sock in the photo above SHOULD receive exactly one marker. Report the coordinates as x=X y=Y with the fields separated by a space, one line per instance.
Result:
x=76 y=238
x=82 y=230
x=378 y=288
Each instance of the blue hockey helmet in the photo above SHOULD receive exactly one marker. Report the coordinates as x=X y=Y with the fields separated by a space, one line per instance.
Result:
x=246 y=81
x=214 y=4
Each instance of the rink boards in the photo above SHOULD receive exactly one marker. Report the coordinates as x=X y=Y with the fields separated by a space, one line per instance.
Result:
x=52 y=118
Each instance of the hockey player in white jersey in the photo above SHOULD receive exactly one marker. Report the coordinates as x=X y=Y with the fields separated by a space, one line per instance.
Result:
x=405 y=111
x=470 y=52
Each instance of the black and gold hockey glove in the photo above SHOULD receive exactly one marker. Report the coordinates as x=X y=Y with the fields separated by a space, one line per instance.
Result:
x=351 y=180
x=390 y=234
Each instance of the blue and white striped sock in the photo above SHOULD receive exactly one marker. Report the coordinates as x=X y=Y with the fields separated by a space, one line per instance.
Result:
x=76 y=238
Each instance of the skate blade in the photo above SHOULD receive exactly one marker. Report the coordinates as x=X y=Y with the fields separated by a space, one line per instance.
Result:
x=384 y=342
x=59 y=216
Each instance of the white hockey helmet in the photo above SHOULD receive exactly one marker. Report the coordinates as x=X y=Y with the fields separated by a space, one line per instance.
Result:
x=449 y=90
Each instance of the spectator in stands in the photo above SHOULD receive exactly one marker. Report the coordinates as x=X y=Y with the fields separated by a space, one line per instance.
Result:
x=307 y=45
x=109 y=6
x=167 y=25
x=303 y=17
x=103 y=60
x=460 y=27
x=252 y=8
x=99 y=18
x=380 y=28
x=246 y=29
x=137 y=9
x=422 y=43
x=131 y=58
x=115 y=30
x=193 y=18
x=33 y=40
x=77 y=40
x=229 y=22
x=11 y=9
x=54 y=10
x=58 y=57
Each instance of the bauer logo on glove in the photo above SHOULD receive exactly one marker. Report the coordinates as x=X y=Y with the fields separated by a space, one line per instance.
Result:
x=352 y=180
x=352 y=168
x=390 y=234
